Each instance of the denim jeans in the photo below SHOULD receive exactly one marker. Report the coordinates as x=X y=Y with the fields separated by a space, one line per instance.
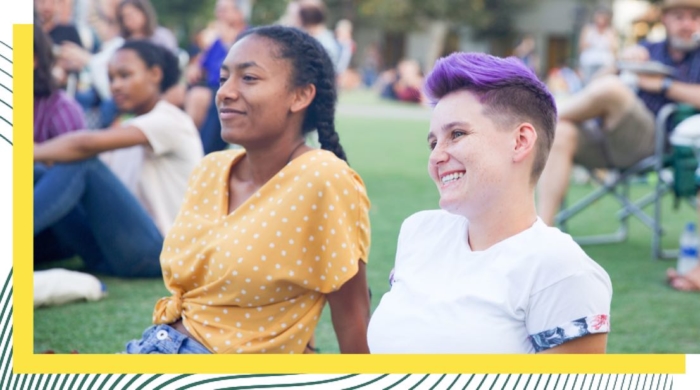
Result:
x=90 y=212
x=163 y=339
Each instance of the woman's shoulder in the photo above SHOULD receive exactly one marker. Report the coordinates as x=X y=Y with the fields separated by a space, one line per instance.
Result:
x=221 y=158
x=322 y=165
x=173 y=114
x=552 y=249
x=215 y=162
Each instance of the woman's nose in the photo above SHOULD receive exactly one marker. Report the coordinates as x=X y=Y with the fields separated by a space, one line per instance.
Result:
x=227 y=90
x=115 y=83
x=438 y=155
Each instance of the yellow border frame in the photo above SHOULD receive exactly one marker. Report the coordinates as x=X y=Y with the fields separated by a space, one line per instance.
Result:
x=25 y=361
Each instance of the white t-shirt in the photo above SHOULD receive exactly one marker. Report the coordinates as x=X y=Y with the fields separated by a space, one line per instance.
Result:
x=175 y=149
x=527 y=293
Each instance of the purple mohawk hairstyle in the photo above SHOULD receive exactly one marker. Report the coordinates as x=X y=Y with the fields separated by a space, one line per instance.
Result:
x=510 y=92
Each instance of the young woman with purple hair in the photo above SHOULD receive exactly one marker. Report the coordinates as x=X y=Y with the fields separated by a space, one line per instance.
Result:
x=484 y=274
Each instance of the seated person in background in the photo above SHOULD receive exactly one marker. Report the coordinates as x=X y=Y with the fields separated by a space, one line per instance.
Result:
x=597 y=44
x=312 y=16
x=203 y=73
x=407 y=83
x=137 y=19
x=117 y=230
x=55 y=113
x=47 y=17
x=47 y=11
x=484 y=274
x=97 y=94
x=608 y=109
x=687 y=133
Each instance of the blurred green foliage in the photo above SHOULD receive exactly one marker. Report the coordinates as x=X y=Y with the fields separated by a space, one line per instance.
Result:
x=267 y=11
x=184 y=17
x=487 y=18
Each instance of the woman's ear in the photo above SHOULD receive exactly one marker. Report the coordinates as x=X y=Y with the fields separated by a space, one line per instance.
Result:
x=525 y=142
x=156 y=75
x=303 y=96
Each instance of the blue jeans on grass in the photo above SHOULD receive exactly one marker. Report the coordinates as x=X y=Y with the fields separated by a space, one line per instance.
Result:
x=88 y=210
x=163 y=339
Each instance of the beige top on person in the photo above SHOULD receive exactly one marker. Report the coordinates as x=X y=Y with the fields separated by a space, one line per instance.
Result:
x=175 y=149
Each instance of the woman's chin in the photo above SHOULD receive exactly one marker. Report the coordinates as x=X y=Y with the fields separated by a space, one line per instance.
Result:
x=447 y=204
x=453 y=206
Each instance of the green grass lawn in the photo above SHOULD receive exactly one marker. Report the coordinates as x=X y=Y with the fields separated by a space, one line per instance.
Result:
x=391 y=156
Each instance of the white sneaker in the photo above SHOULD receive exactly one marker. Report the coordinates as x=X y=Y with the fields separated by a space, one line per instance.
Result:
x=59 y=286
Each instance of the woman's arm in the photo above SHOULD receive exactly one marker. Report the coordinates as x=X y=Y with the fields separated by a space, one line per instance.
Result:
x=350 y=312
x=592 y=343
x=83 y=144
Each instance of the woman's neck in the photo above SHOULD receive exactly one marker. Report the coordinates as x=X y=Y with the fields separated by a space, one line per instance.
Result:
x=495 y=224
x=147 y=106
x=261 y=164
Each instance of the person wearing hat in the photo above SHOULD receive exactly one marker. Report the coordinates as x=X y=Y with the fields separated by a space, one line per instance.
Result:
x=608 y=124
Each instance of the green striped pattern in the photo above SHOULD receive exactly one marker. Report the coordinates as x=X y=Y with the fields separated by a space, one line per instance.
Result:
x=5 y=96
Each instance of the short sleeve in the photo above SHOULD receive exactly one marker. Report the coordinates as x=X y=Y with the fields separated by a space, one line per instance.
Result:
x=213 y=162
x=574 y=307
x=161 y=127
x=337 y=234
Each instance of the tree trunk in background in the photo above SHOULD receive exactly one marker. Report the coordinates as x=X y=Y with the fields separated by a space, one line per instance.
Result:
x=438 y=34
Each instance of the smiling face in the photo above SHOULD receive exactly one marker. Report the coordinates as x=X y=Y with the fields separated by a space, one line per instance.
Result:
x=470 y=156
x=255 y=99
x=134 y=86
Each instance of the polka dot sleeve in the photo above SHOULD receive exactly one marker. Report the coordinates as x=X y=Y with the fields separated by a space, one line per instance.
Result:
x=337 y=234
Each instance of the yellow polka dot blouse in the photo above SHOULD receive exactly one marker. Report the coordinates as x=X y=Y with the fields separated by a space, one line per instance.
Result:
x=254 y=281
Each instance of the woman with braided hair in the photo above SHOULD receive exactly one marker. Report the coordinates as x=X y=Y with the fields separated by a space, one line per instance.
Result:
x=267 y=234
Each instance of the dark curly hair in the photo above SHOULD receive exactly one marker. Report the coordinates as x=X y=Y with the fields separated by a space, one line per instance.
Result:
x=44 y=84
x=156 y=55
x=310 y=65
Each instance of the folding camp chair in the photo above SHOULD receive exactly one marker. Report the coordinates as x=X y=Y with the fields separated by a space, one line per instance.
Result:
x=619 y=189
